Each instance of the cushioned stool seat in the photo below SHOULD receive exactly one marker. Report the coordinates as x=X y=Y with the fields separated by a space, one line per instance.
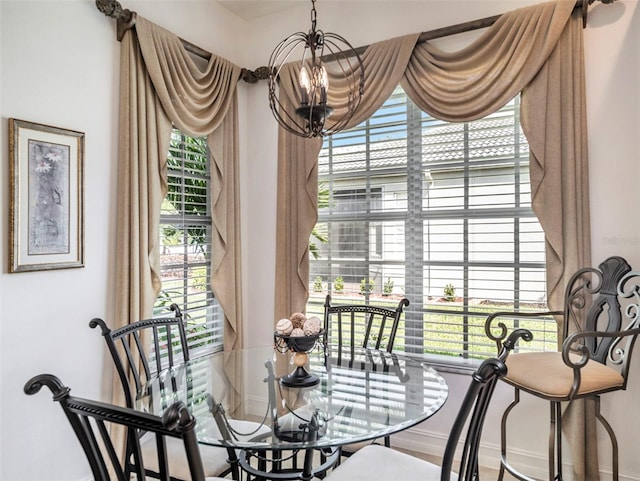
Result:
x=546 y=374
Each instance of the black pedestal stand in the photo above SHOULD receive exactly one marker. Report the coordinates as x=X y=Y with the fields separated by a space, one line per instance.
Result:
x=300 y=377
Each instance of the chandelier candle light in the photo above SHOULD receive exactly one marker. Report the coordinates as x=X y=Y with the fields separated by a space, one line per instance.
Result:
x=321 y=111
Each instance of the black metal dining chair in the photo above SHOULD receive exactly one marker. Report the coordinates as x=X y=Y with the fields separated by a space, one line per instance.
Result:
x=379 y=462
x=92 y=422
x=143 y=349
x=601 y=321
x=366 y=325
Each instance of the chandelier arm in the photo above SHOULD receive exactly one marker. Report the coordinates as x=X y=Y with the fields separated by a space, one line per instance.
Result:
x=283 y=51
x=277 y=108
x=314 y=115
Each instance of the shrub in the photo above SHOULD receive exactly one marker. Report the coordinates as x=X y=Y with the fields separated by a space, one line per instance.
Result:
x=387 y=289
x=199 y=278
x=366 y=286
x=317 y=284
x=338 y=284
x=449 y=292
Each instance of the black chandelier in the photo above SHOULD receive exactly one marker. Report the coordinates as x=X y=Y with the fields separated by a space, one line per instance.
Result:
x=322 y=109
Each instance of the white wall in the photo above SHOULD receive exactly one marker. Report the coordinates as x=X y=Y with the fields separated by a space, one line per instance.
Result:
x=57 y=69
x=59 y=66
x=613 y=90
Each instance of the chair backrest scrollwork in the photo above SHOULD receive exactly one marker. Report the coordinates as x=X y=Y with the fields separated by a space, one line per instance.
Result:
x=592 y=304
x=364 y=325
x=145 y=348
x=602 y=313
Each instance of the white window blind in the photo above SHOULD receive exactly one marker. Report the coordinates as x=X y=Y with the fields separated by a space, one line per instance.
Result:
x=439 y=213
x=185 y=239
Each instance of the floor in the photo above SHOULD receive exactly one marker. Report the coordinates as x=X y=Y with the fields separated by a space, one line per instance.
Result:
x=486 y=474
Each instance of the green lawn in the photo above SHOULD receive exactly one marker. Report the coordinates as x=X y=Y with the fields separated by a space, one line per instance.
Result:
x=443 y=329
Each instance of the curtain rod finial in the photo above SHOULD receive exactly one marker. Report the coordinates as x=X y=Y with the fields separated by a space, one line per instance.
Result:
x=112 y=8
x=252 y=76
x=125 y=17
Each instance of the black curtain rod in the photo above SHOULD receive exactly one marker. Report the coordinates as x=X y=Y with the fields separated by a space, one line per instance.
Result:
x=126 y=20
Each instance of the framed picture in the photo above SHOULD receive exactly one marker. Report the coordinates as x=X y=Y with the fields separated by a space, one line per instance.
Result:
x=46 y=223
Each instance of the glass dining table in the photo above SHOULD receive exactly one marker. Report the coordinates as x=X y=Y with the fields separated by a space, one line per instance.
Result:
x=240 y=402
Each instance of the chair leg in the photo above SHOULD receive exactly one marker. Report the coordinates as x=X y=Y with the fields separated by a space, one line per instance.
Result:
x=555 y=442
x=503 y=433
x=612 y=436
x=504 y=464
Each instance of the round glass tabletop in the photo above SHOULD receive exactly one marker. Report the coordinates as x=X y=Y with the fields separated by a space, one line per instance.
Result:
x=239 y=399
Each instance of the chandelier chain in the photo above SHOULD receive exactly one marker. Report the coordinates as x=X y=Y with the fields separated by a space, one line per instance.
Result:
x=313 y=15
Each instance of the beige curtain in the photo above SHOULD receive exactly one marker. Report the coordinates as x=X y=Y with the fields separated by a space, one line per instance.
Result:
x=554 y=120
x=297 y=213
x=539 y=52
x=160 y=86
x=535 y=50
x=225 y=192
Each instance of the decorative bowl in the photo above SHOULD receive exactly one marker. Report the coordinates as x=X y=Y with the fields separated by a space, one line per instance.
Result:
x=284 y=342
x=300 y=346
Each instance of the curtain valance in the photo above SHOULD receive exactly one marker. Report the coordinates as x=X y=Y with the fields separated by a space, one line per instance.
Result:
x=458 y=86
x=196 y=101
x=478 y=80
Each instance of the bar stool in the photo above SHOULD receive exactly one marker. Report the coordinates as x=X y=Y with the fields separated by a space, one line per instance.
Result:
x=601 y=320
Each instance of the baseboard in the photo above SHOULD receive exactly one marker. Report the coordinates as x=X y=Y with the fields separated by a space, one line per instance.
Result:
x=534 y=465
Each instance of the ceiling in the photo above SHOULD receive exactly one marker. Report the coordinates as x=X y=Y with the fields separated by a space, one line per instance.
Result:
x=249 y=9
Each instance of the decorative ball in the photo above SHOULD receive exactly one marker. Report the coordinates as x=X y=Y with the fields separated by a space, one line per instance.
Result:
x=300 y=359
x=297 y=332
x=284 y=326
x=311 y=326
x=297 y=319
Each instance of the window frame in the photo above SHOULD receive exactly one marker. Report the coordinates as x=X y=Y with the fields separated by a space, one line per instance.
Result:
x=414 y=218
x=202 y=315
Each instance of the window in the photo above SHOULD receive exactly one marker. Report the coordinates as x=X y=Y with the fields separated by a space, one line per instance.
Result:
x=185 y=240
x=438 y=212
